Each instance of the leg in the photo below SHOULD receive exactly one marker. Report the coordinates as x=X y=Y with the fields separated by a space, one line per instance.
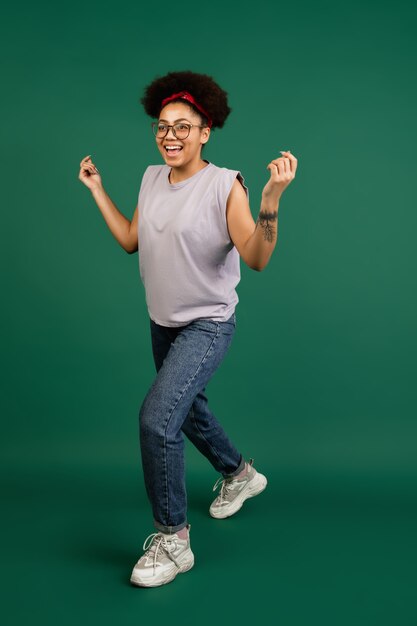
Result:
x=205 y=432
x=193 y=357
x=201 y=426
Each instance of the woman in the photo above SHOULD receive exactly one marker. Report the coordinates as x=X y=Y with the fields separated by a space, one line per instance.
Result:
x=191 y=225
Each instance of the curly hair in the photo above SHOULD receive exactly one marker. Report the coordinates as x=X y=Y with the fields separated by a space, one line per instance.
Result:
x=201 y=86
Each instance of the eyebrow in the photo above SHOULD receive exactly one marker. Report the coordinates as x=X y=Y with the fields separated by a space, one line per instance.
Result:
x=179 y=120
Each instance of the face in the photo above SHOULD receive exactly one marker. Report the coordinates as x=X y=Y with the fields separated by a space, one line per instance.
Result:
x=189 y=148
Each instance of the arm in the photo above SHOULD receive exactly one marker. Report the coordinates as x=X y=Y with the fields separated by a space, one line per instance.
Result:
x=256 y=242
x=124 y=231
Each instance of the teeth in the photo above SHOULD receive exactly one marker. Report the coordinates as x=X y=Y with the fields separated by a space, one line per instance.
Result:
x=172 y=147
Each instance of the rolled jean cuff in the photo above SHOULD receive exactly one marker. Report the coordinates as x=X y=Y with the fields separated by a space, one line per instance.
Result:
x=238 y=470
x=169 y=530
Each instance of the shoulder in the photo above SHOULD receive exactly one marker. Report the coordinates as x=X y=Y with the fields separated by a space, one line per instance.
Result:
x=152 y=172
x=231 y=178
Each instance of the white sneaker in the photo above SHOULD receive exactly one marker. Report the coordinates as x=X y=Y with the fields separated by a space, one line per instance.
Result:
x=165 y=556
x=234 y=491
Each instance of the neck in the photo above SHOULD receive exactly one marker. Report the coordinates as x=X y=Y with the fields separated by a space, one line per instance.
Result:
x=180 y=173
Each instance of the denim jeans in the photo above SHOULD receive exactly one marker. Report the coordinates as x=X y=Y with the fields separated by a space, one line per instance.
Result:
x=186 y=357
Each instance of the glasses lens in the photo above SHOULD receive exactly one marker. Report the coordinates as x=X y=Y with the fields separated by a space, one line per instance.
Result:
x=159 y=129
x=182 y=130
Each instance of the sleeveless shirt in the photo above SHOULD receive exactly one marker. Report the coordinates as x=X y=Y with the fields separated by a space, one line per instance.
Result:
x=188 y=264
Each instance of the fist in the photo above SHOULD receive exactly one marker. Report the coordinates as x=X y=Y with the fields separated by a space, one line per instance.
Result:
x=282 y=173
x=89 y=174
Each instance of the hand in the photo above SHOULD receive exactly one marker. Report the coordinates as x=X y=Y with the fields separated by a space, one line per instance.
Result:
x=282 y=173
x=89 y=174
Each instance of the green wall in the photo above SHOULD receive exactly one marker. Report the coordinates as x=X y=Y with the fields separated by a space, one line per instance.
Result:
x=319 y=385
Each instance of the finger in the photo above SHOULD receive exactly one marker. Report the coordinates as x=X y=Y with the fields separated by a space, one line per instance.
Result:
x=286 y=164
x=85 y=158
x=287 y=168
x=292 y=158
x=92 y=165
x=281 y=168
x=274 y=171
x=88 y=169
x=283 y=165
x=278 y=160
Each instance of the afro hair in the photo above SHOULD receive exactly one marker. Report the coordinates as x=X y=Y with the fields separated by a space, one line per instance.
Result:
x=201 y=86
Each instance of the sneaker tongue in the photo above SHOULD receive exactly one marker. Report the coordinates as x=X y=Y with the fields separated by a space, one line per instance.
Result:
x=171 y=536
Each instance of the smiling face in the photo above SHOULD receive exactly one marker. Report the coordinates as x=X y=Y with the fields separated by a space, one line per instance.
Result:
x=188 y=152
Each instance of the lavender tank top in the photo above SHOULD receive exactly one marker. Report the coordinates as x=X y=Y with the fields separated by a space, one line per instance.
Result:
x=188 y=264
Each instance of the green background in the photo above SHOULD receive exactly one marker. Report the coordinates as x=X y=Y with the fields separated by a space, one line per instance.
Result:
x=319 y=385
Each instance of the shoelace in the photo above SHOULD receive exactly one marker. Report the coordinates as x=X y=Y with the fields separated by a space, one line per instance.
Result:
x=159 y=541
x=225 y=488
x=228 y=484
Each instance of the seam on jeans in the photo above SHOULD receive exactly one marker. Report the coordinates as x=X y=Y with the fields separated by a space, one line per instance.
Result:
x=173 y=408
x=193 y=419
x=164 y=496
x=166 y=499
x=214 y=451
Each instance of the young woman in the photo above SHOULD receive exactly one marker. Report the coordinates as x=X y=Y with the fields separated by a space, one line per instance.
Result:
x=191 y=225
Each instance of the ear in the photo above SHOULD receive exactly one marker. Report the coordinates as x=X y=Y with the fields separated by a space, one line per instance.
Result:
x=205 y=134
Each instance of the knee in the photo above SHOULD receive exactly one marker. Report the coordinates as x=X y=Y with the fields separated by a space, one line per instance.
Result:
x=159 y=426
x=149 y=425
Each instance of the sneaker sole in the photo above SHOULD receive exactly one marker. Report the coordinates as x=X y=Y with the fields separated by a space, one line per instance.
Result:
x=168 y=577
x=256 y=486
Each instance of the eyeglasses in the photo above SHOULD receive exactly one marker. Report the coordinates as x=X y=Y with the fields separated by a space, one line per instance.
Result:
x=181 y=130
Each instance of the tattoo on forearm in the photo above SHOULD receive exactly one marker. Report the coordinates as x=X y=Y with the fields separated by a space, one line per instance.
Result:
x=266 y=221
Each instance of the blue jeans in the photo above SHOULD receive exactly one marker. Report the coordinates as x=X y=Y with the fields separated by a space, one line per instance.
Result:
x=186 y=357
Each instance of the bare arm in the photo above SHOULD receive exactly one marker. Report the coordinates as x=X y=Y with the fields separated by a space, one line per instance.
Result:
x=123 y=230
x=256 y=242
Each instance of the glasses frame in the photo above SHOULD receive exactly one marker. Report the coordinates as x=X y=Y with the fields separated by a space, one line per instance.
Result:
x=190 y=126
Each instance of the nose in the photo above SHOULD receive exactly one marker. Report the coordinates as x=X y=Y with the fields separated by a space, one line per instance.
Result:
x=170 y=130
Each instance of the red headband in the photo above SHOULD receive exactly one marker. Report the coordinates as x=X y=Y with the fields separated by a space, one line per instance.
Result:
x=187 y=96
